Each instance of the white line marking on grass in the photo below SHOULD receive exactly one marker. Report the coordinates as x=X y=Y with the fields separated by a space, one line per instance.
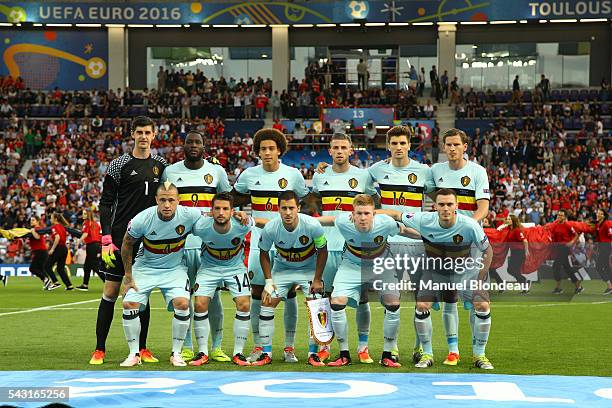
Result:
x=38 y=309
x=59 y=307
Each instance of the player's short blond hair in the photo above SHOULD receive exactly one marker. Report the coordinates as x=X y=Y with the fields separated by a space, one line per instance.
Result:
x=399 y=130
x=167 y=186
x=363 y=200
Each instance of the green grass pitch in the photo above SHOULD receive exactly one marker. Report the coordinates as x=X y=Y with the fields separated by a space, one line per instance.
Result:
x=562 y=335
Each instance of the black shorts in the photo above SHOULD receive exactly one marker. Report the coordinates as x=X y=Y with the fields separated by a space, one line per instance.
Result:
x=39 y=259
x=116 y=273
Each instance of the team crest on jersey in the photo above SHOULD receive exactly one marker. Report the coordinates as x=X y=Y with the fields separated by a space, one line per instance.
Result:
x=180 y=229
x=379 y=239
x=353 y=183
x=412 y=178
x=304 y=240
x=457 y=239
x=235 y=241
x=465 y=180
x=156 y=171
x=282 y=183
x=208 y=179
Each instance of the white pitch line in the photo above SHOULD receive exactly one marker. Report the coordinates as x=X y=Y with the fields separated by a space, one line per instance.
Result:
x=38 y=309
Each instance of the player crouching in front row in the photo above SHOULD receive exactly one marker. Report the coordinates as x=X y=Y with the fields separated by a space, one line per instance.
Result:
x=365 y=235
x=163 y=230
x=300 y=247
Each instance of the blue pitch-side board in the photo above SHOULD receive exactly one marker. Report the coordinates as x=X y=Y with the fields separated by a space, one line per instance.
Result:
x=330 y=388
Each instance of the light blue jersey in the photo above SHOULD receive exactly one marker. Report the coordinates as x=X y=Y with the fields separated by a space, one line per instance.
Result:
x=471 y=183
x=162 y=241
x=452 y=242
x=222 y=250
x=337 y=191
x=402 y=188
x=264 y=187
x=362 y=246
x=197 y=188
x=295 y=250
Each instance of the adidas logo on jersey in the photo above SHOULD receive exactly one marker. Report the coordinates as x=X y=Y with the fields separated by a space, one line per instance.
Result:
x=154 y=233
x=258 y=183
x=133 y=173
x=281 y=242
x=326 y=184
x=179 y=179
x=386 y=177
x=440 y=179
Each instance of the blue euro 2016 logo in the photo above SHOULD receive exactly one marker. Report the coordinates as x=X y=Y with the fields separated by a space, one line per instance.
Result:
x=357 y=9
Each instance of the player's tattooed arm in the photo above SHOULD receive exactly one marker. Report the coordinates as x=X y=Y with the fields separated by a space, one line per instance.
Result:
x=486 y=262
x=127 y=253
x=312 y=200
x=240 y=199
x=376 y=199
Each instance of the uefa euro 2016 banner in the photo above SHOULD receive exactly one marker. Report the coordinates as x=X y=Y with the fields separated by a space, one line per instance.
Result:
x=286 y=12
x=64 y=58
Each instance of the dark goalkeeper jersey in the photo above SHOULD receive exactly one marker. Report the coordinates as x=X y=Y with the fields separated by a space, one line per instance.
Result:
x=129 y=187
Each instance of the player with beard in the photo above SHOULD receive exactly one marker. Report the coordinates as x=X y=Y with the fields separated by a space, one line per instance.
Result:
x=198 y=180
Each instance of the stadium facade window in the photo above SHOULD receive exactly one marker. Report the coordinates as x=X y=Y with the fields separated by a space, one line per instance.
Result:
x=214 y=62
x=418 y=56
x=383 y=64
x=494 y=66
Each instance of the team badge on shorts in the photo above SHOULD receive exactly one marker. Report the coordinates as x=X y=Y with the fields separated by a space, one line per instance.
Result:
x=235 y=241
x=156 y=171
x=195 y=288
x=412 y=178
x=208 y=179
x=180 y=229
x=303 y=240
x=353 y=183
x=282 y=183
x=379 y=239
x=251 y=274
x=465 y=180
x=457 y=239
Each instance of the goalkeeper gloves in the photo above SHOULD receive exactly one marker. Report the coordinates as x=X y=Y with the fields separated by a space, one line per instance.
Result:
x=108 y=251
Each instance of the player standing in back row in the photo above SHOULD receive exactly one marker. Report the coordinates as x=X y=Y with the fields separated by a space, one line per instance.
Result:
x=130 y=184
x=337 y=187
x=261 y=186
x=198 y=181
x=471 y=184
